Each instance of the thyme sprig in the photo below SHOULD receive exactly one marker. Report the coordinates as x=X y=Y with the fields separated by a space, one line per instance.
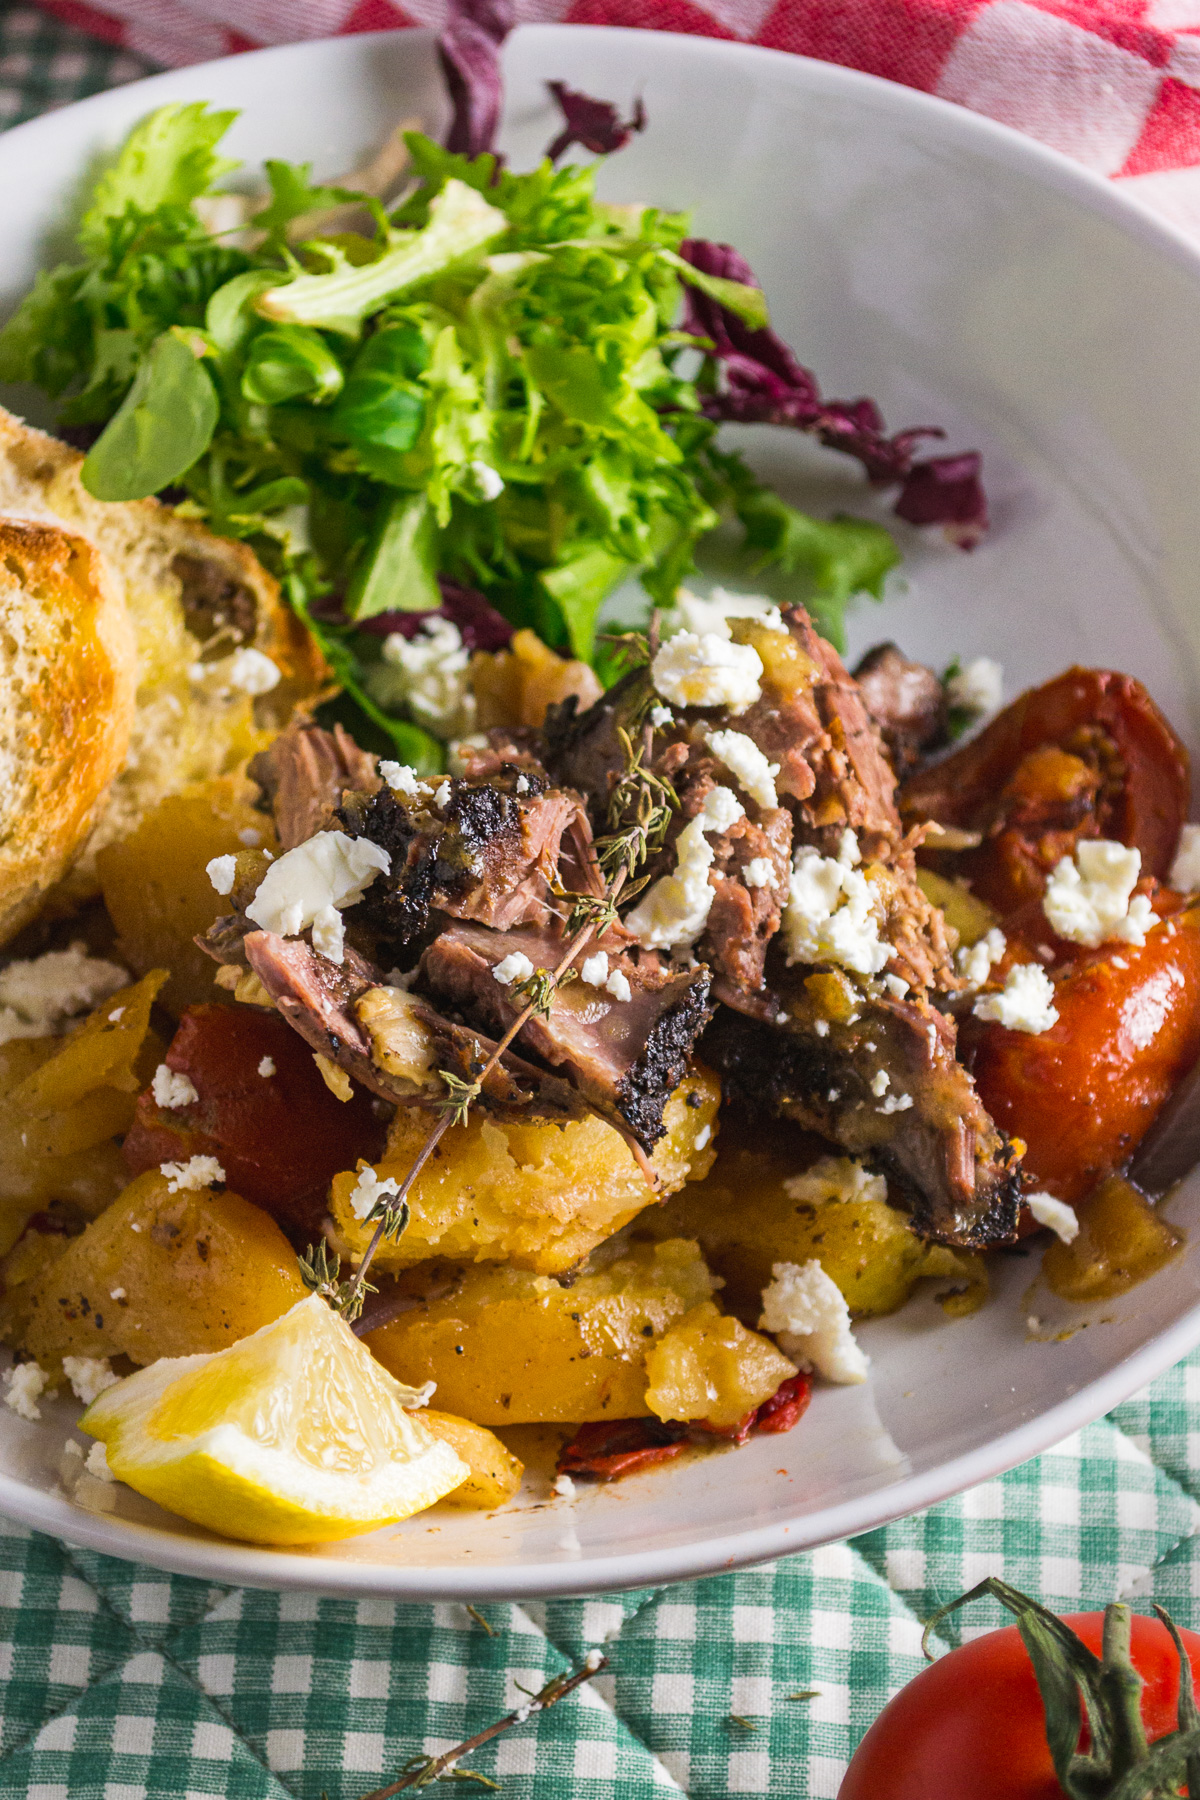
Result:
x=423 y=1771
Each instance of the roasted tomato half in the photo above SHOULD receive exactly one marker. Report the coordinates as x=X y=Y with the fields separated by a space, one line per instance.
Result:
x=1087 y=755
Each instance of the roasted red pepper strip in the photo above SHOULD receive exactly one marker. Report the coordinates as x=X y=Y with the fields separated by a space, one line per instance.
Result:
x=1087 y=755
x=606 y=1450
x=280 y=1137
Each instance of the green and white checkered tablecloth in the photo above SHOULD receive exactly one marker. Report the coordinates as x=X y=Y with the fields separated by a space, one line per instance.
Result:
x=118 y=1682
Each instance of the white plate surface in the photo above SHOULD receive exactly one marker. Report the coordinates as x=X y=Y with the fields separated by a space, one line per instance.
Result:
x=961 y=275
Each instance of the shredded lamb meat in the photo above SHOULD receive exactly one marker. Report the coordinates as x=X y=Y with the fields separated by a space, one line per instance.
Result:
x=304 y=774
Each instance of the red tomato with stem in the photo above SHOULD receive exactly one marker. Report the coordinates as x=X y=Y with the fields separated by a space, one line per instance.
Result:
x=972 y=1727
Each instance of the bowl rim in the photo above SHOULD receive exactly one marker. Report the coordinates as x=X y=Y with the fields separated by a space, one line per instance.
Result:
x=239 y=1564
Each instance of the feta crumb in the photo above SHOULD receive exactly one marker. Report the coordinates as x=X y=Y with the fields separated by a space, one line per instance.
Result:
x=400 y=778
x=1185 y=870
x=692 y=613
x=39 y=995
x=896 y=986
x=515 y=967
x=1088 y=897
x=196 y=1173
x=488 y=482
x=835 y=1178
x=593 y=1660
x=329 y=934
x=368 y=1190
x=97 y=1463
x=881 y=1081
x=222 y=872
x=335 y=1078
x=832 y=914
x=522 y=785
x=978 y=687
x=89 y=1376
x=975 y=964
x=660 y=715
x=703 y=1137
x=849 y=854
x=594 y=969
x=26 y=1383
x=252 y=673
x=116 y=1294
x=707 y=670
x=266 y=1067
x=746 y=762
x=758 y=872
x=116 y=1015
x=171 y=1089
x=443 y=796
x=327 y=872
x=895 y=1103
x=1118 y=962
x=429 y=674
x=564 y=1487
x=675 y=910
x=618 y=986
x=808 y=1315
x=1025 y=1003
x=1060 y=1217
x=250 y=838
x=820 y=1026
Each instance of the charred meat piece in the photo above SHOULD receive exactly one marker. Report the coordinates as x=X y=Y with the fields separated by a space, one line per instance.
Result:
x=626 y=1057
x=924 y=1125
x=304 y=774
x=907 y=702
x=391 y=1042
x=490 y=850
x=584 y=750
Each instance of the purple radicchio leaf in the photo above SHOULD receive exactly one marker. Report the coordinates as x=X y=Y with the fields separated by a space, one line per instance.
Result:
x=481 y=626
x=593 y=124
x=469 y=50
x=761 y=383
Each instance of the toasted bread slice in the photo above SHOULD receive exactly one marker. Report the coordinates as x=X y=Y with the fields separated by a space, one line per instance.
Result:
x=67 y=682
x=193 y=601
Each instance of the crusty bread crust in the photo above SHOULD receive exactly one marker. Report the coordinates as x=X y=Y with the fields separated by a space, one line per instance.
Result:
x=67 y=682
x=192 y=600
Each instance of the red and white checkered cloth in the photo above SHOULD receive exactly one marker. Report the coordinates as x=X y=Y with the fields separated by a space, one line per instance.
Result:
x=1113 y=83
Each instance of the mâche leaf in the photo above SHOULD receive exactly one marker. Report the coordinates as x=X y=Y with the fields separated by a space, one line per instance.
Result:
x=164 y=424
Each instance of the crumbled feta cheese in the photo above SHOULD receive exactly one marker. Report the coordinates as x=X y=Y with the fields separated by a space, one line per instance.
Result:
x=117 y=1014
x=400 y=778
x=222 y=872
x=594 y=969
x=1118 y=962
x=1185 y=870
x=522 y=785
x=1060 y=1217
x=196 y=1173
x=746 y=762
x=978 y=687
x=89 y=1376
x=849 y=854
x=660 y=716
x=896 y=986
x=835 y=1178
x=171 y=1090
x=515 y=967
x=329 y=934
x=895 y=1103
x=368 y=1190
x=703 y=1137
x=1025 y=1003
x=675 y=910
x=820 y=1026
x=250 y=838
x=593 y=1660
x=252 y=673
x=881 y=1081
x=692 y=613
x=266 y=1067
x=117 y=1294
x=564 y=1487
x=758 y=872
x=327 y=872
x=975 y=964
x=430 y=674
x=26 y=1383
x=808 y=1315
x=707 y=670
x=1088 y=897
x=443 y=795
x=38 y=996
x=618 y=986
x=489 y=483
x=97 y=1463
x=832 y=914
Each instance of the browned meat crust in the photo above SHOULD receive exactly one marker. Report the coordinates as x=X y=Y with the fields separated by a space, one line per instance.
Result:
x=907 y=702
x=304 y=774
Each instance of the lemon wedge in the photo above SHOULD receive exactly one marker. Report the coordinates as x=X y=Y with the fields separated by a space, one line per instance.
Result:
x=294 y=1435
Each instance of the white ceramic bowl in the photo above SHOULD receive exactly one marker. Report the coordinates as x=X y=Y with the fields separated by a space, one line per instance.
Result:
x=962 y=275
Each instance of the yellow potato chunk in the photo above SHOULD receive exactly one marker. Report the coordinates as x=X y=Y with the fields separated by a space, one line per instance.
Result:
x=496 y=1473
x=538 y=1195
x=515 y=686
x=162 y=1274
x=508 y=1347
x=769 y=1202
x=156 y=888
x=710 y=1367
